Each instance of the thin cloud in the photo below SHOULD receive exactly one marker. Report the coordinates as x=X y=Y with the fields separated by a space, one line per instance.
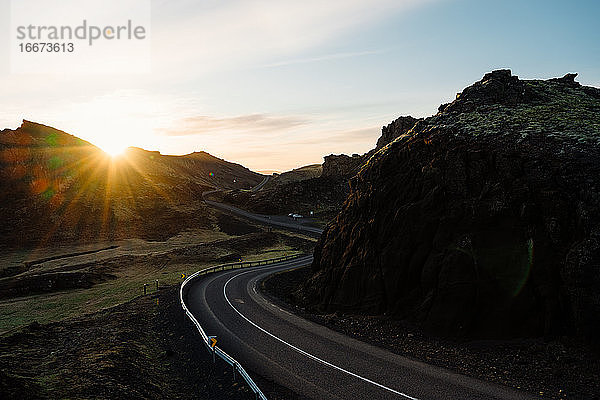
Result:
x=200 y=125
x=303 y=148
x=327 y=57
x=262 y=30
x=358 y=136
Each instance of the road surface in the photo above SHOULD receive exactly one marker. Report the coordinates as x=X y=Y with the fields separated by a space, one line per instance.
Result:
x=275 y=220
x=260 y=185
x=299 y=225
x=310 y=359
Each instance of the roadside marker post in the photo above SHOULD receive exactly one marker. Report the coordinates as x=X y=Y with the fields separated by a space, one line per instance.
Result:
x=157 y=285
x=213 y=342
x=145 y=287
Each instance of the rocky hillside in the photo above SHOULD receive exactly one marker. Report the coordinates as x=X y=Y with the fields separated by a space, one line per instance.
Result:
x=295 y=175
x=56 y=187
x=482 y=221
x=318 y=188
x=300 y=191
x=342 y=165
x=395 y=129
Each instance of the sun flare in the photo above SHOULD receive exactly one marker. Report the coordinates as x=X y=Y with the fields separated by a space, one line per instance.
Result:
x=114 y=150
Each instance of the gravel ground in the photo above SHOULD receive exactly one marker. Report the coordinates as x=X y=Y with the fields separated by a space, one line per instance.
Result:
x=559 y=369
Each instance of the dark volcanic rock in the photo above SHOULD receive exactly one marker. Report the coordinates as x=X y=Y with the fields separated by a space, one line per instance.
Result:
x=483 y=221
x=342 y=165
x=392 y=131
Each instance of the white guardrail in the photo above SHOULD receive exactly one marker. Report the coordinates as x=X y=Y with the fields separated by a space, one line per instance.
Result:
x=217 y=351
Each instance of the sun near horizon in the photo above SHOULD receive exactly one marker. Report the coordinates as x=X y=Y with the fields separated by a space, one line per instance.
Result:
x=319 y=78
x=115 y=150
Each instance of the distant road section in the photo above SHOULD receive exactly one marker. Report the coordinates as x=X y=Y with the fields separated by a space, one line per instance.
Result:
x=282 y=221
x=260 y=185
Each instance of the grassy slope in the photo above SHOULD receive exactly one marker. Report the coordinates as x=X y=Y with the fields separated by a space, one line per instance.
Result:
x=128 y=284
x=110 y=341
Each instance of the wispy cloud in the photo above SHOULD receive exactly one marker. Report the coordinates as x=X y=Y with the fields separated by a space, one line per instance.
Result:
x=201 y=125
x=327 y=57
x=244 y=32
x=291 y=151
x=343 y=138
x=285 y=148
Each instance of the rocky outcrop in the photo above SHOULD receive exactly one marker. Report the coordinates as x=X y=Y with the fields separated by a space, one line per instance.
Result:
x=395 y=129
x=482 y=221
x=342 y=165
x=320 y=189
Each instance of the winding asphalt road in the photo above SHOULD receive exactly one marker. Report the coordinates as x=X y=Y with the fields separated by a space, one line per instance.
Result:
x=310 y=359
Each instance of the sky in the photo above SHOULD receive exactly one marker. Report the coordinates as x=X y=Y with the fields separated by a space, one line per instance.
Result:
x=278 y=84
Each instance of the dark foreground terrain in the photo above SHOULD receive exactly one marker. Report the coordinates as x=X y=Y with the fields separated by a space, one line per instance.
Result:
x=556 y=369
x=143 y=349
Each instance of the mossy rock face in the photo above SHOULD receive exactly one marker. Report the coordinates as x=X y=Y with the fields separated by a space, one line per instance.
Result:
x=482 y=221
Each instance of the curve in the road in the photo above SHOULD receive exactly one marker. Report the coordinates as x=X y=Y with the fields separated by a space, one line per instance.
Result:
x=311 y=359
x=305 y=353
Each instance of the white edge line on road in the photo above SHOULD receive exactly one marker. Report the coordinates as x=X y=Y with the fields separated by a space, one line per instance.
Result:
x=304 y=352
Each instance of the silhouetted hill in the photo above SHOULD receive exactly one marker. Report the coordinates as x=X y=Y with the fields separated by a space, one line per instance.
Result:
x=481 y=221
x=295 y=175
x=56 y=187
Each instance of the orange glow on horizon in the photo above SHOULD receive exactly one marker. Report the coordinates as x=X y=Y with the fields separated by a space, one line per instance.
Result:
x=115 y=150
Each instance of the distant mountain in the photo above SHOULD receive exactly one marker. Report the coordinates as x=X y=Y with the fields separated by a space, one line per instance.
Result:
x=57 y=187
x=320 y=188
x=298 y=174
x=480 y=221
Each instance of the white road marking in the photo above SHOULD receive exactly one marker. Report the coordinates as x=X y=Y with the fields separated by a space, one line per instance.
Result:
x=304 y=352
